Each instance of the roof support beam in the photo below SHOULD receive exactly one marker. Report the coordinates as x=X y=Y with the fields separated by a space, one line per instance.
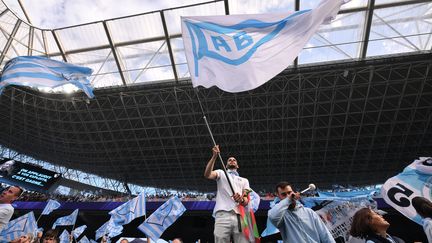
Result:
x=167 y=39
x=59 y=45
x=367 y=27
x=296 y=8
x=9 y=41
x=113 y=49
x=4 y=12
x=44 y=39
x=226 y=4
x=30 y=41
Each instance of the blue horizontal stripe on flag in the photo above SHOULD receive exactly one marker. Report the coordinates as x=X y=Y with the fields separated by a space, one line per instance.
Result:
x=65 y=69
x=33 y=75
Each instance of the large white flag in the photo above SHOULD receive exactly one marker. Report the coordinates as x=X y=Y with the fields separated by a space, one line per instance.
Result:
x=241 y=52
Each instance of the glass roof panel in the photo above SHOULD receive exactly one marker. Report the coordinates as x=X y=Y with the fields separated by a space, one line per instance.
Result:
x=52 y=47
x=83 y=36
x=179 y=58
x=136 y=28
x=339 y=40
x=105 y=72
x=145 y=57
x=2 y=6
x=159 y=73
x=400 y=29
x=7 y=22
x=308 y=4
x=38 y=45
x=258 y=6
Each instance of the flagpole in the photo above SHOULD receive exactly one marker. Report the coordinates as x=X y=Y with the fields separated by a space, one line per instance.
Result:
x=39 y=218
x=214 y=142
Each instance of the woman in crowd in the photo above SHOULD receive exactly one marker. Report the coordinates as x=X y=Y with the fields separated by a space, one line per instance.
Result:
x=424 y=208
x=372 y=227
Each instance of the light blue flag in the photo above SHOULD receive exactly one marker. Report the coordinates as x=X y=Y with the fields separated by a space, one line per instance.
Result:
x=414 y=181
x=162 y=218
x=130 y=210
x=109 y=228
x=67 y=220
x=84 y=240
x=270 y=228
x=44 y=72
x=78 y=231
x=64 y=237
x=18 y=227
x=51 y=206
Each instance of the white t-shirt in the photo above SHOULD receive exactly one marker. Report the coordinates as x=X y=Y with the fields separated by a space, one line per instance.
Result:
x=224 y=200
x=6 y=212
x=427 y=227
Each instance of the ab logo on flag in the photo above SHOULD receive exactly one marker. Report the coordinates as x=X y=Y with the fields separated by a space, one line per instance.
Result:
x=232 y=44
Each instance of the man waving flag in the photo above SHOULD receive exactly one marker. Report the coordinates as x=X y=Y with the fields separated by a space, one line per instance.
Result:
x=241 y=52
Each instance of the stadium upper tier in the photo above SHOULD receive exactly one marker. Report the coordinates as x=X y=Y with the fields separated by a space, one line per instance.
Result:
x=355 y=108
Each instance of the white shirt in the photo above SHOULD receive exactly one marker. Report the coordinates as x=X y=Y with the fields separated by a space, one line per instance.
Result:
x=224 y=200
x=427 y=227
x=6 y=212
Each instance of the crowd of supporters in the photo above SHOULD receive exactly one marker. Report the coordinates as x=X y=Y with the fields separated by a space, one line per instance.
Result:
x=41 y=197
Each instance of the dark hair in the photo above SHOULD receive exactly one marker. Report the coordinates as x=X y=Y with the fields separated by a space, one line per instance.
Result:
x=51 y=233
x=423 y=207
x=282 y=185
x=360 y=226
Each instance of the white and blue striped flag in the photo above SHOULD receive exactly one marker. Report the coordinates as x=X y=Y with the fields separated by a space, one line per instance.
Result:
x=78 y=231
x=241 y=52
x=36 y=71
x=64 y=237
x=67 y=220
x=109 y=228
x=18 y=227
x=130 y=210
x=162 y=218
x=84 y=240
x=51 y=206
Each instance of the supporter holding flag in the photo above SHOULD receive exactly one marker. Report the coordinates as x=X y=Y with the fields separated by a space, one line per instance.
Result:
x=130 y=210
x=109 y=228
x=18 y=227
x=162 y=218
x=78 y=231
x=67 y=220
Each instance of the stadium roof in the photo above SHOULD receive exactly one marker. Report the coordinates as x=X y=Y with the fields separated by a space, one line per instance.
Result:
x=354 y=108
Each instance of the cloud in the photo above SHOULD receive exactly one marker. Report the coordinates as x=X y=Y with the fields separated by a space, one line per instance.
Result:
x=62 y=13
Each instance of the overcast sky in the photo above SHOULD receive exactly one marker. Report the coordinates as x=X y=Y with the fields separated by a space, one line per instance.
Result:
x=61 y=13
